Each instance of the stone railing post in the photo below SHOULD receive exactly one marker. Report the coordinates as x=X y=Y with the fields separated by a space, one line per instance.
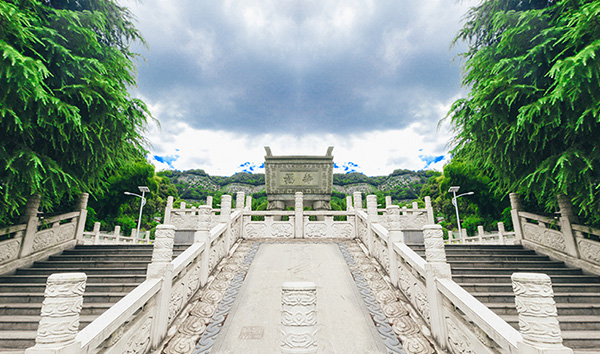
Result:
x=436 y=268
x=30 y=218
x=82 y=208
x=161 y=268
x=373 y=217
x=299 y=318
x=567 y=217
x=349 y=206
x=501 y=232
x=96 y=233
x=538 y=321
x=117 y=233
x=515 y=205
x=225 y=217
x=239 y=200
x=394 y=235
x=358 y=205
x=299 y=215
x=59 y=324
x=202 y=234
x=248 y=206
x=480 y=233
x=388 y=200
x=429 y=208
x=168 y=209
x=209 y=201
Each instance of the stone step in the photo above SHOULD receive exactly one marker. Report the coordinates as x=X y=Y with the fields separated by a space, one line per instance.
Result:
x=34 y=309
x=483 y=253
x=31 y=323
x=91 y=279
x=494 y=271
x=99 y=264
x=507 y=264
x=88 y=271
x=89 y=297
x=87 y=251
x=471 y=247
x=25 y=288
x=582 y=339
x=498 y=258
x=17 y=339
x=564 y=309
x=102 y=258
x=501 y=279
x=567 y=323
x=509 y=297
x=507 y=288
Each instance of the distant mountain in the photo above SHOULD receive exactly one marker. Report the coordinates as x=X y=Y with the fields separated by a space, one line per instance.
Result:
x=195 y=185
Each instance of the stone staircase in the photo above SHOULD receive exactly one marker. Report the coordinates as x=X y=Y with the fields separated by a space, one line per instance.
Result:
x=112 y=272
x=485 y=271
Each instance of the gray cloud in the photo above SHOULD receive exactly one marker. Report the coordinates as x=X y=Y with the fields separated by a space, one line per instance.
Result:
x=313 y=66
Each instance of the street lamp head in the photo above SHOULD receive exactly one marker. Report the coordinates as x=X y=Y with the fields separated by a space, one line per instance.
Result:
x=469 y=193
x=144 y=189
x=128 y=193
x=453 y=189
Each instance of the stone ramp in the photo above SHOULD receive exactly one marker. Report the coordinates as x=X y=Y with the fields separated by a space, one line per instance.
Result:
x=350 y=318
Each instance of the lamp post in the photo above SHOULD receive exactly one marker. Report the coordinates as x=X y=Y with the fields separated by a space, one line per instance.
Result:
x=142 y=189
x=453 y=190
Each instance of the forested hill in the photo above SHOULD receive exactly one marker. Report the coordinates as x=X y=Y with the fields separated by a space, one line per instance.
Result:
x=402 y=185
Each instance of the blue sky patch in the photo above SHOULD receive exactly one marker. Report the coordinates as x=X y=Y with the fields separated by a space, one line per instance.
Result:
x=429 y=160
x=169 y=159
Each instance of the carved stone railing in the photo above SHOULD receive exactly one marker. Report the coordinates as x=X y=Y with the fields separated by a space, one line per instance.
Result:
x=37 y=237
x=560 y=238
x=97 y=237
x=139 y=322
x=499 y=237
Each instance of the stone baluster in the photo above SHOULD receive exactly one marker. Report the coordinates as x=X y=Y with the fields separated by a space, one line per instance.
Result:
x=161 y=268
x=395 y=234
x=358 y=200
x=388 y=200
x=568 y=217
x=168 y=209
x=239 y=200
x=209 y=201
x=299 y=318
x=429 y=208
x=182 y=205
x=538 y=321
x=248 y=203
x=480 y=233
x=299 y=215
x=59 y=324
x=515 y=207
x=202 y=234
x=82 y=209
x=349 y=206
x=415 y=206
x=225 y=217
x=436 y=268
x=96 y=232
x=30 y=218
x=117 y=233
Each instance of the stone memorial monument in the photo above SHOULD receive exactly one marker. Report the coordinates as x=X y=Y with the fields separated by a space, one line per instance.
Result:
x=311 y=175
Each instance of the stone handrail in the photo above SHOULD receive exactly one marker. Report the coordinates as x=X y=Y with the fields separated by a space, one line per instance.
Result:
x=97 y=237
x=37 y=237
x=561 y=238
x=500 y=237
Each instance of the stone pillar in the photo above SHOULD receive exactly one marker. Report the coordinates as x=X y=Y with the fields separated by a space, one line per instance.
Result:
x=239 y=200
x=568 y=217
x=480 y=233
x=30 y=218
x=538 y=321
x=429 y=208
x=299 y=215
x=299 y=318
x=248 y=203
x=372 y=218
x=358 y=200
x=202 y=234
x=59 y=324
x=96 y=233
x=436 y=268
x=501 y=233
x=388 y=200
x=394 y=235
x=209 y=201
x=566 y=208
x=515 y=205
x=161 y=268
x=168 y=209
x=225 y=208
x=349 y=206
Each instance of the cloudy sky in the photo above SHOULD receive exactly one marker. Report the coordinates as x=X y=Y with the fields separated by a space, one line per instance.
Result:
x=370 y=77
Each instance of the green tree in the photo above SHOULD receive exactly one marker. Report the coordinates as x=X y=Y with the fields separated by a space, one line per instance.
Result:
x=67 y=117
x=532 y=116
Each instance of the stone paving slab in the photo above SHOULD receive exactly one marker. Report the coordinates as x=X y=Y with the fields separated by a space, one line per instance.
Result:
x=344 y=324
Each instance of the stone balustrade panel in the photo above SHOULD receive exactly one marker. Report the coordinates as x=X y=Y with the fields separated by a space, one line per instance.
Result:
x=9 y=249
x=413 y=287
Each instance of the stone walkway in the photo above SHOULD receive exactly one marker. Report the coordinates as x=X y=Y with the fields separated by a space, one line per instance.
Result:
x=240 y=311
